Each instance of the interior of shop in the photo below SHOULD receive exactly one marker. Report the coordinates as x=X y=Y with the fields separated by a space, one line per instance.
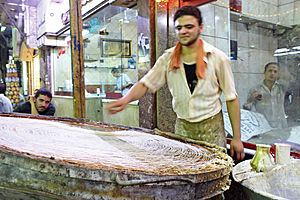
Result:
x=110 y=41
x=120 y=43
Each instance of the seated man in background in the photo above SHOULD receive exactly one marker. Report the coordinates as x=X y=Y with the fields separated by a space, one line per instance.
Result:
x=39 y=104
x=5 y=104
x=267 y=98
x=123 y=82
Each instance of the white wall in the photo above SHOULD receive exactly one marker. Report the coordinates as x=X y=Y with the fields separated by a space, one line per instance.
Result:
x=216 y=25
x=289 y=11
x=49 y=14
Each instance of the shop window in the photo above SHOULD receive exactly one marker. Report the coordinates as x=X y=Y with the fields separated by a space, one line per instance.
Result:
x=110 y=53
x=270 y=115
x=62 y=69
x=111 y=42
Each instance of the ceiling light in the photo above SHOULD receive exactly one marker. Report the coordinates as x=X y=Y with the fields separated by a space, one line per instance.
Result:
x=287 y=51
x=3 y=28
x=280 y=54
x=294 y=52
x=296 y=48
x=13 y=4
x=282 y=50
x=125 y=17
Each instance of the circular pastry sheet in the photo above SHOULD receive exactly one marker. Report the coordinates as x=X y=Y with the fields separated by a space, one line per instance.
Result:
x=130 y=150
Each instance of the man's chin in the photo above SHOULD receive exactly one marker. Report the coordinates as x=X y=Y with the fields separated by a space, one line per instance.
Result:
x=187 y=42
x=41 y=110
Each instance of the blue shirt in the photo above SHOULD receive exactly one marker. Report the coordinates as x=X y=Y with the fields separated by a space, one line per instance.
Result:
x=122 y=81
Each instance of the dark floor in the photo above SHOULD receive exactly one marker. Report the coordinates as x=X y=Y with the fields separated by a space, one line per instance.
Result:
x=235 y=191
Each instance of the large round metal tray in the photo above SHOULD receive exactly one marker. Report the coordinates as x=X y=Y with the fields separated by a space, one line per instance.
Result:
x=53 y=158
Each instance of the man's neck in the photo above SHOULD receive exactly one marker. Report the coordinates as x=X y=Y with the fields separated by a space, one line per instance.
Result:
x=190 y=48
x=269 y=84
x=189 y=53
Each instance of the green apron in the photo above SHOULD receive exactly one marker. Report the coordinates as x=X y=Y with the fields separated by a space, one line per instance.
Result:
x=209 y=130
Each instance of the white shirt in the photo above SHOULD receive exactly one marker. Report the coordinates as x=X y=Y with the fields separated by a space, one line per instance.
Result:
x=272 y=103
x=5 y=104
x=205 y=101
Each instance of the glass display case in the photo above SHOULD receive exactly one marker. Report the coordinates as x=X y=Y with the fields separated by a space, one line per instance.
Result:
x=265 y=60
x=110 y=44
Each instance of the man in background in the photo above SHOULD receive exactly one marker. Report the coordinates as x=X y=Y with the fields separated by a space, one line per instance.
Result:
x=123 y=82
x=5 y=104
x=267 y=97
x=39 y=104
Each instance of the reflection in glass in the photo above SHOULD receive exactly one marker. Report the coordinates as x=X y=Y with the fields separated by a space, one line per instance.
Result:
x=270 y=112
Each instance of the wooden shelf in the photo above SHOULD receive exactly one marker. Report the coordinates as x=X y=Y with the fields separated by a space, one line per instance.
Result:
x=90 y=60
x=99 y=67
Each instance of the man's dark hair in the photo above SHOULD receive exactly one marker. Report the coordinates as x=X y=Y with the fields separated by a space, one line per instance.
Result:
x=2 y=88
x=43 y=91
x=188 y=10
x=115 y=70
x=271 y=63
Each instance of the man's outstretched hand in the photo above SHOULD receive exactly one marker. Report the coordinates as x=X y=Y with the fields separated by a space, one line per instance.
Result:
x=116 y=106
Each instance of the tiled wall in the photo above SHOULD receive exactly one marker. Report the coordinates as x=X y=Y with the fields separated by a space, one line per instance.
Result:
x=256 y=47
x=265 y=10
x=216 y=25
x=256 y=44
x=289 y=12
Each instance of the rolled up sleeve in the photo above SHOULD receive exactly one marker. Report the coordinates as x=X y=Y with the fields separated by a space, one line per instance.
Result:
x=226 y=80
x=156 y=77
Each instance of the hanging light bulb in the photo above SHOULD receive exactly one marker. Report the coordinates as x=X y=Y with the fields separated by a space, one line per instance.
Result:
x=3 y=28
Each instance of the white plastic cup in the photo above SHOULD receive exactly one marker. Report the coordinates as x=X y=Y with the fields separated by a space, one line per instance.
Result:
x=282 y=154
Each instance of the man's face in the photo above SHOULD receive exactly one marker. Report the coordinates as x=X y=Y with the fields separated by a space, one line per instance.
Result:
x=272 y=73
x=187 y=30
x=42 y=103
x=116 y=74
